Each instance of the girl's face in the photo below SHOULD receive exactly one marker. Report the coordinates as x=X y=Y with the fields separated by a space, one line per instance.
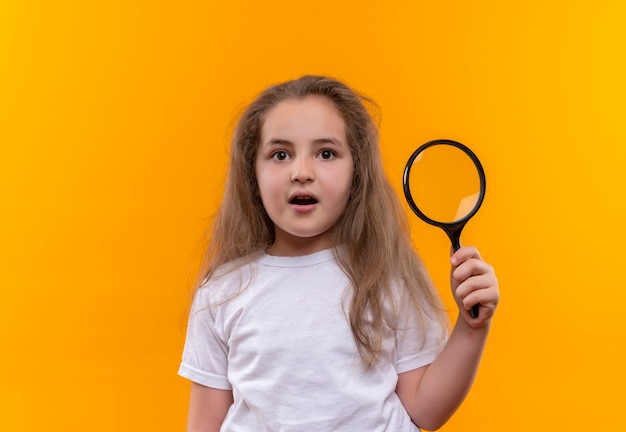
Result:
x=304 y=171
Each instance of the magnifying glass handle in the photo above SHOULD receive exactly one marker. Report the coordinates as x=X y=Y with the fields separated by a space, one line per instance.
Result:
x=455 y=238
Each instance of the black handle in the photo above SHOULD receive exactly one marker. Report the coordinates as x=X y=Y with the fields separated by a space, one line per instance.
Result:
x=474 y=311
x=454 y=233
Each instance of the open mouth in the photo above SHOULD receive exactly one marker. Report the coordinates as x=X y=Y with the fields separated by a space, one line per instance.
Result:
x=303 y=200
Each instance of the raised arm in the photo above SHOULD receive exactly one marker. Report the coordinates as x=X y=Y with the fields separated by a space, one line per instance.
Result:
x=207 y=408
x=431 y=394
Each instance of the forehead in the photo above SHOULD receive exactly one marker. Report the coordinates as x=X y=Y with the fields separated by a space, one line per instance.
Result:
x=306 y=118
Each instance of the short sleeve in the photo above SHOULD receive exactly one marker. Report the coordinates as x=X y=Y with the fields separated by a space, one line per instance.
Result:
x=418 y=345
x=205 y=354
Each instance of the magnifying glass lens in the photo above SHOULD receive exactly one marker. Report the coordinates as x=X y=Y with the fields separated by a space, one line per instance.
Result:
x=444 y=183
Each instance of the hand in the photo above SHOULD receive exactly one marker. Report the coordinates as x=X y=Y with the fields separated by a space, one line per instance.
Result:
x=473 y=281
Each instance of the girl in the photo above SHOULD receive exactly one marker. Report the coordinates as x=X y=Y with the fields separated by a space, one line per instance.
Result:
x=314 y=312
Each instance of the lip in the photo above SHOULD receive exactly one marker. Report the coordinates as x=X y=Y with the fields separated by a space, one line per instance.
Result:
x=302 y=194
x=302 y=209
x=299 y=208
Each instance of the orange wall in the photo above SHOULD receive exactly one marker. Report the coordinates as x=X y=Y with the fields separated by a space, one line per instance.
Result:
x=114 y=121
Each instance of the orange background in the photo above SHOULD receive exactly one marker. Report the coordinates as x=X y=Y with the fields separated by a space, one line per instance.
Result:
x=114 y=125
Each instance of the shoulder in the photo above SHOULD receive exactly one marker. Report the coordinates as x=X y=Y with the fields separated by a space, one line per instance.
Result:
x=228 y=280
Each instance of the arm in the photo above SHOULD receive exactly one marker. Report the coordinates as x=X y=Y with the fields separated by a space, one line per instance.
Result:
x=431 y=394
x=207 y=408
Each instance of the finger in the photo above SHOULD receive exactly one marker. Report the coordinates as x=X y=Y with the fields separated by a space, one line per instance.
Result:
x=485 y=298
x=470 y=268
x=463 y=254
x=484 y=316
x=477 y=289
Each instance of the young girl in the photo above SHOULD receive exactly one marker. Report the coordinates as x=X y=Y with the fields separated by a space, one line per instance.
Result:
x=314 y=312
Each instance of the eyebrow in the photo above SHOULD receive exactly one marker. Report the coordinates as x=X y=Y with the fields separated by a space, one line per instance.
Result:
x=318 y=141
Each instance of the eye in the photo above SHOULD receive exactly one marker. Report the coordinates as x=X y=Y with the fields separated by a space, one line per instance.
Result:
x=327 y=154
x=280 y=155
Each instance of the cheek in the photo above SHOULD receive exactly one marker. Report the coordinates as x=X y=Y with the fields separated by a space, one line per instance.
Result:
x=267 y=187
x=350 y=182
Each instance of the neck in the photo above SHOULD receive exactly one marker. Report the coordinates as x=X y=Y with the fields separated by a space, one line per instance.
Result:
x=298 y=246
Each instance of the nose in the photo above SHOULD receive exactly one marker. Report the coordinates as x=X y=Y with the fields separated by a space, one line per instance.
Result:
x=302 y=170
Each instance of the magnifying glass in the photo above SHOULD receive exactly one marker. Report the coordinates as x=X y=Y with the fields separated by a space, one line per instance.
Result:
x=444 y=185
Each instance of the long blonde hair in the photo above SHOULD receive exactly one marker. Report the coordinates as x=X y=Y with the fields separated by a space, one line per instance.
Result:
x=376 y=252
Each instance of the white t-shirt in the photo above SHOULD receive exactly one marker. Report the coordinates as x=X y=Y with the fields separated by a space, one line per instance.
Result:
x=283 y=344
